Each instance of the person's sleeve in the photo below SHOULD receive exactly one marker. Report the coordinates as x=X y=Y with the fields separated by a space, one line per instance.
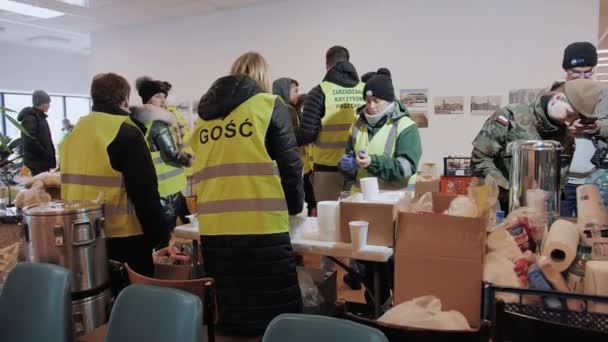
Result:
x=30 y=125
x=283 y=148
x=487 y=147
x=408 y=150
x=312 y=113
x=601 y=110
x=163 y=139
x=129 y=155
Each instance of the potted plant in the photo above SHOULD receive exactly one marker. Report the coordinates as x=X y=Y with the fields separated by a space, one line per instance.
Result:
x=10 y=153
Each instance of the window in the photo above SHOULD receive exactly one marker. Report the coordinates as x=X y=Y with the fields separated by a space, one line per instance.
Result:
x=56 y=115
x=70 y=107
x=75 y=107
x=15 y=102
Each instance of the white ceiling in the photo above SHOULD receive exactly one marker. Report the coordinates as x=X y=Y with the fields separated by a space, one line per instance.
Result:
x=72 y=31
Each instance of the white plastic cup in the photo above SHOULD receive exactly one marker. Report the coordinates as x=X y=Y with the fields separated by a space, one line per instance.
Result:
x=358 y=234
x=369 y=188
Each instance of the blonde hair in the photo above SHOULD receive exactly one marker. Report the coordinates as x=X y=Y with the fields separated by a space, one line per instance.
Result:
x=255 y=66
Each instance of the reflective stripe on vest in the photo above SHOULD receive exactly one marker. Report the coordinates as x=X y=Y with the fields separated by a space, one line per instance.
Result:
x=238 y=186
x=171 y=179
x=87 y=174
x=340 y=113
x=184 y=145
x=383 y=143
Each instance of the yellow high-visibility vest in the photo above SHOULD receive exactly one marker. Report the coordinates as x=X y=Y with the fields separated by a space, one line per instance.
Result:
x=340 y=113
x=171 y=179
x=184 y=145
x=86 y=172
x=383 y=143
x=307 y=159
x=238 y=186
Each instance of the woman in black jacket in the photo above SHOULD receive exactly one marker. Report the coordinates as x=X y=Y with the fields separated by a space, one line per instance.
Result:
x=252 y=261
x=162 y=131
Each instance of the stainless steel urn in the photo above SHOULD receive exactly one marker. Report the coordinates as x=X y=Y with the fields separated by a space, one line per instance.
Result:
x=535 y=164
x=69 y=234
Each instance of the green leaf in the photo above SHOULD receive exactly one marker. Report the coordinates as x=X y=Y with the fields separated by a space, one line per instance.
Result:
x=14 y=144
x=14 y=122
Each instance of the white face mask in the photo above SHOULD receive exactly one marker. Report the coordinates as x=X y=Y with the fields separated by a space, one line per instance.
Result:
x=559 y=109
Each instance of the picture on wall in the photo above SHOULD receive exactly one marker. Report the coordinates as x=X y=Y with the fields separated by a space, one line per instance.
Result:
x=417 y=103
x=485 y=105
x=524 y=95
x=449 y=104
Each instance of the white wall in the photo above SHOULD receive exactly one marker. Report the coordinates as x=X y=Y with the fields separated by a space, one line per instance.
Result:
x=25 y=68
x=465 y=47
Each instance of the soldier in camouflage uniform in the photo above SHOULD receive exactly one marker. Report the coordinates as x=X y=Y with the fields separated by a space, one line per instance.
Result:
x=530 y=122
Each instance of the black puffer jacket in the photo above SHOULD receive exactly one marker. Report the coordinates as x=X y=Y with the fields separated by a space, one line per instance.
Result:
x=256 y=278
x=38 y=150
x=343 y=74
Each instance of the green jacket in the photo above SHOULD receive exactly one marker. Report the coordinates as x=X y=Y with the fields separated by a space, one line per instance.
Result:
x=408 y=148
x=511 y=123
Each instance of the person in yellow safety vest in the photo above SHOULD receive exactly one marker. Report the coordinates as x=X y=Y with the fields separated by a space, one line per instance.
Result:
x=106 y=157
x=184 y=145
x=163 y=134
x=329 y=112
x=392 y=151
x=248 y=176
x=287 y=89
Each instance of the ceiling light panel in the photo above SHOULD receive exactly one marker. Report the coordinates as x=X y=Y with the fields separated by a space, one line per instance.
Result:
x=28 y=10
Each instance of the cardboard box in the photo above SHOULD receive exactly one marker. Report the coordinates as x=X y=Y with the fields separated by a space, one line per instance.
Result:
x=441 y=255
x=326 y=283
x=381 y=217
x=422 y=187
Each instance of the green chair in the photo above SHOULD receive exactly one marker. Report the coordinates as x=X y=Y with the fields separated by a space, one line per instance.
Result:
x=35 y=304
x=155 y=314
x=306 y=328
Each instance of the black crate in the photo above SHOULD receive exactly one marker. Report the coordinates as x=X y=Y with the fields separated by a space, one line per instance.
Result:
x=457 y=166
x=579 y=319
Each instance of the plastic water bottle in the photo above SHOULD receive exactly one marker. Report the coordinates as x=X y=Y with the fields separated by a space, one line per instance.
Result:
x=600 y=178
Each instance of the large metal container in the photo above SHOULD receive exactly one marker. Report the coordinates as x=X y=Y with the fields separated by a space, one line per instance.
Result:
x=535 y=164
x=91 y=312
x=69 y=234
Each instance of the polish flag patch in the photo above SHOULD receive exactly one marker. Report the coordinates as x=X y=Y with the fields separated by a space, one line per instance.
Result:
x=502 y=120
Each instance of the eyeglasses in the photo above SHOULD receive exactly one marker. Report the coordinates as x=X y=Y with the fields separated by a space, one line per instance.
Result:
x=575 y=74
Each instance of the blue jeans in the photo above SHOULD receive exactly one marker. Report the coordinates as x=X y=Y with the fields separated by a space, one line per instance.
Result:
x=568 y=203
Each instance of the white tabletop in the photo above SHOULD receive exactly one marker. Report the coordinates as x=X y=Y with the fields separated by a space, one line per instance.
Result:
x=305 y=239
x=186 y=231
x=342 y=250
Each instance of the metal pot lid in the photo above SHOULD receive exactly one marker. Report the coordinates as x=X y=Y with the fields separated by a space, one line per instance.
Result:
x=534 y=145
x=61 y=208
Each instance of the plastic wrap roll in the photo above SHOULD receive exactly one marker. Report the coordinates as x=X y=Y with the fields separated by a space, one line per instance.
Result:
x=560 y=246
x=592 y=220
x=328 y=213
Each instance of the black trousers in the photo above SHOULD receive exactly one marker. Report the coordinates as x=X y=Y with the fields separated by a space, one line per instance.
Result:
x=133 y=250
x=309 y=193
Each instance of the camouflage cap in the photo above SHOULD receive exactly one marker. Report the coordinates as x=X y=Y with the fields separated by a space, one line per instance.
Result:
x=583 y=95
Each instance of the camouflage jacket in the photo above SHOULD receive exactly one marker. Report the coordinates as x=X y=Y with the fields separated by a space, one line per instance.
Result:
x=511 y=123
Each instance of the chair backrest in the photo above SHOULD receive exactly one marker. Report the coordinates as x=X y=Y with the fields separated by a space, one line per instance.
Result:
x=510 y=326
x=198 y=287
x=400 y=333
x=304 y=328
x=155 y=314
x=35 y=304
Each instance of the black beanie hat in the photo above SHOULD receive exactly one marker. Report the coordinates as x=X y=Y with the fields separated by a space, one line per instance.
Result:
x=579 y=54
x=380 y=85
x=367 y=76
x=147 y=87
